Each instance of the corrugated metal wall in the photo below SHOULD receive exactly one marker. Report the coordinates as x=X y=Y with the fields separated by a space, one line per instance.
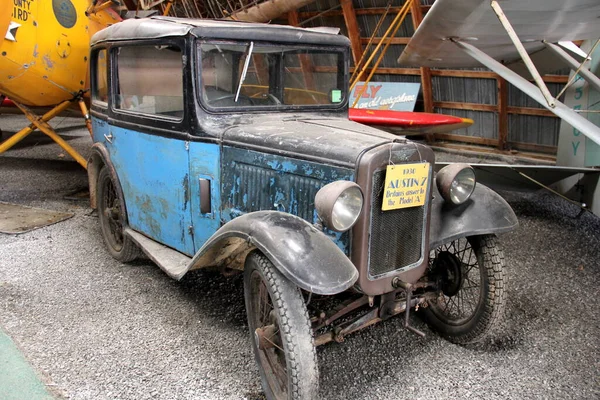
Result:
x=522 y=128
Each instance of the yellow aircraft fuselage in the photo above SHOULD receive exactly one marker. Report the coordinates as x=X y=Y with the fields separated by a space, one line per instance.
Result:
x=44 y=53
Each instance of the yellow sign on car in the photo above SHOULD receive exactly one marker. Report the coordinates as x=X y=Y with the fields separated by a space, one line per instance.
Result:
x=405 y=186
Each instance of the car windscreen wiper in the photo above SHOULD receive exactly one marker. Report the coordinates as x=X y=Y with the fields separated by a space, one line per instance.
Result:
x=244 y=71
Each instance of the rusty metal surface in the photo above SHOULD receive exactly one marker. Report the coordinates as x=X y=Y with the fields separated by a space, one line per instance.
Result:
x=370 y=162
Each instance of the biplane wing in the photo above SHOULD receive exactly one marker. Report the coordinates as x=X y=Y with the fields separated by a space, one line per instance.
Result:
x=475 y=22
x=511 y=35
x=527 y=177
x=469 y=33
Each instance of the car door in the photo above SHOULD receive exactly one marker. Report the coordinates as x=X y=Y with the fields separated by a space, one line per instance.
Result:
x=148 y=141
x=205 y=190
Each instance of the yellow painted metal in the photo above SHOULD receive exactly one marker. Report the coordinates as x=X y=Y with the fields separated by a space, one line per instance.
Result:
x=94 y=9
x=22 y=134
x=5 y=15
x=41 y=123
x=43 y=126
x=44 y=57
x=358 y=66
x=14 y=139
x=168 y=8
x=86 y=115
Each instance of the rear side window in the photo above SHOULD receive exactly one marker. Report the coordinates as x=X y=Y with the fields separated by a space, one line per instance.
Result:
x=100 y=87
x=150 y=80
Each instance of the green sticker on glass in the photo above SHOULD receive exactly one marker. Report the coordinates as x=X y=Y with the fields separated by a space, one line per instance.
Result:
x=336 y=96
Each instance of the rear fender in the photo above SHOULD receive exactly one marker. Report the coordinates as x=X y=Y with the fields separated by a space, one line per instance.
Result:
x=301 y=252
x=98 y=159
x=485 y=212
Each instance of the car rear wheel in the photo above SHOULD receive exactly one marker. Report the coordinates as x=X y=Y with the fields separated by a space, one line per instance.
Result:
x=111 y=217
x=471 y=294
x=280 y=332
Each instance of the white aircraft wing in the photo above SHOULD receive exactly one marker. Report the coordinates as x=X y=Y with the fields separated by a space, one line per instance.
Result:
x=475 y=22
x=468 y=33
x=526 y=177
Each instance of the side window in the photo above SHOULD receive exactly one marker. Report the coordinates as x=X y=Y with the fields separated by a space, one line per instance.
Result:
x=150 y=80
x=100 y=86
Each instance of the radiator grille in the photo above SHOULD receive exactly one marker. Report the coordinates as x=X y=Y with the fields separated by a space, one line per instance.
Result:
x=396 y=235
x=259 y=188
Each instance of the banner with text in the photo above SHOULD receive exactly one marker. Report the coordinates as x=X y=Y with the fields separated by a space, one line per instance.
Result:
x=396 y=96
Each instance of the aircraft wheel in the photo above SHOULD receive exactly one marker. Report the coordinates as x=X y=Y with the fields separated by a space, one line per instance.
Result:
x=280 y=332
x=472 y=289
x=111 y=217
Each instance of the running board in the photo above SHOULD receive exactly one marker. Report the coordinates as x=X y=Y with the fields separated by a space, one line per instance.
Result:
x=174 y=263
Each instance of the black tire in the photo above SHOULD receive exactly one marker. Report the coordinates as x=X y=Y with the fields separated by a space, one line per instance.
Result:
x=288 y=364
x=112 y=220
x=472 y=295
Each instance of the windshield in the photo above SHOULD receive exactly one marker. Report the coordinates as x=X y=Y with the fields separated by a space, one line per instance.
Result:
x=254 y=75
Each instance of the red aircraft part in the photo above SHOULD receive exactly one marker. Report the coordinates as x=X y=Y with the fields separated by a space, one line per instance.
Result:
x=408 y=121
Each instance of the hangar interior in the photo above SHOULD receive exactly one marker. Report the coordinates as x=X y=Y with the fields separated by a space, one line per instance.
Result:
x=506 y=120
x=95 y=296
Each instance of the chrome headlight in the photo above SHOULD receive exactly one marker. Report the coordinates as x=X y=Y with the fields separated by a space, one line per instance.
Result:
x=456 y=182
x=339 y=204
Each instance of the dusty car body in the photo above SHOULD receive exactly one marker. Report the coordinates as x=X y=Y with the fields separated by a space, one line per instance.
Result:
x=228 y=145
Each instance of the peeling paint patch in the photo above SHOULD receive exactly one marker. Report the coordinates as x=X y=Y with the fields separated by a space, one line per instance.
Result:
x=283 y=166
x=186 y=191
x=48 y=63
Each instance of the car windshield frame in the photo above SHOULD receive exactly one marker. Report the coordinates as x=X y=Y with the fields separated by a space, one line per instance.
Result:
x=274 y=73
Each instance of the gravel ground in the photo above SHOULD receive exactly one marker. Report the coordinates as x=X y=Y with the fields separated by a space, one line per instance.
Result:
x=98 y=329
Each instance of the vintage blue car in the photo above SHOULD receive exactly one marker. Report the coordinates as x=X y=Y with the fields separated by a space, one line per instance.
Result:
x=227 y=145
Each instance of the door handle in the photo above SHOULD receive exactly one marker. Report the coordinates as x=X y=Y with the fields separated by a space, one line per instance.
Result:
x=109 y=137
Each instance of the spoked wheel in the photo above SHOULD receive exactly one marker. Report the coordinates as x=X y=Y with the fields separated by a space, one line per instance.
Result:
x=110 y=214
x=280 y=332
x=471 y=281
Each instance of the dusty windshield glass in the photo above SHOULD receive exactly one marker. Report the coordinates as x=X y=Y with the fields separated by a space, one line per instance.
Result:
x=275 y=76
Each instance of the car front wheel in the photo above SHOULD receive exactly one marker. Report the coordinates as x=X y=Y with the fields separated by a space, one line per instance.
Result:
x=471 y=294
x=280 y=332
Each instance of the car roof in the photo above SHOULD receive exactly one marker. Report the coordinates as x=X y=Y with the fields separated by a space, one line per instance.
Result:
x=159 y=27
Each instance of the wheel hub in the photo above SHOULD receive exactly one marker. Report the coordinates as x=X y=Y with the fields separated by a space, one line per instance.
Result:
x=448 y=269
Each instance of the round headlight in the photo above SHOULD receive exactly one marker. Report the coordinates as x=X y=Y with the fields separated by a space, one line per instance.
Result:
x=339 y=204
x=456 y=182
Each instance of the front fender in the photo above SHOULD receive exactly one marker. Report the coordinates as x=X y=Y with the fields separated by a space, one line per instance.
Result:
x=484 y=213
x=301 y=252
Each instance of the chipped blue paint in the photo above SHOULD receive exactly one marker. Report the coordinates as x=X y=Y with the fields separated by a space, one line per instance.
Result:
x=293 y=207
x=255 y=181
x=307 y=169
x=338 y=238
x=283 y=166
x=205 y=163
x=154 y=183
x=279 y=198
